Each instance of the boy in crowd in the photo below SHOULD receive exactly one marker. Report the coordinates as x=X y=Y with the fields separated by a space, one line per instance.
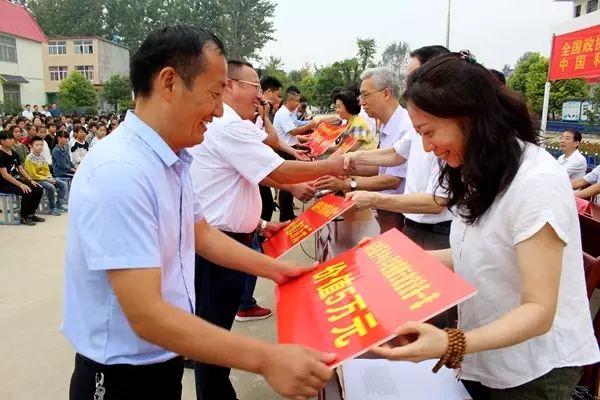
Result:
x=61 y=161
x=15 y=180
x=39 y=170
x=92 y=129
x=80 y=147
x=51 y=136
x=100 y=134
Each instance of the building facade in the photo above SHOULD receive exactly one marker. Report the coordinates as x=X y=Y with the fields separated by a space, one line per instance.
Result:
x=586 y=13
x=21 y=68
x=96 y=58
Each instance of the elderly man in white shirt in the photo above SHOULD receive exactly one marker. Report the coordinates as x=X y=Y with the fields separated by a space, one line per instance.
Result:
x=27 y=113
x=226 y=171
x=379 y=97
x=572 y=160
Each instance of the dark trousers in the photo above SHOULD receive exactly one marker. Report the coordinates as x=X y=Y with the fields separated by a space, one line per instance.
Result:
x=428 y=236
x=286 y=200
x=389 y=219
x=125 y=381
x=218 y=294
x=268 y=204
x=557 y=384
x=29 y=201
x=248 y=301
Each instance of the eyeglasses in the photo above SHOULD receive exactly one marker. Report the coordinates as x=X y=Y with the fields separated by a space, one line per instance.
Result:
x=365 y=95
x=255 y=84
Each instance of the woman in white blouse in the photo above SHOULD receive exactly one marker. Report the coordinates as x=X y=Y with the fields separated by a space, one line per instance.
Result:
x=516 y=238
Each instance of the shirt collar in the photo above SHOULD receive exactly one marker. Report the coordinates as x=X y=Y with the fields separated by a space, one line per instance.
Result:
x=230 y=114
x=394 y=121
x=153 y=139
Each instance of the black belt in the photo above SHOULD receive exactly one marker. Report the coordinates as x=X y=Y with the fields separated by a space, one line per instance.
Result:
x=440 y=227
x=243 y=238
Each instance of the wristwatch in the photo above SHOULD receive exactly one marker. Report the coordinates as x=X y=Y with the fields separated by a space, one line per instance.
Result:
x=353 y=184
x=261 y=227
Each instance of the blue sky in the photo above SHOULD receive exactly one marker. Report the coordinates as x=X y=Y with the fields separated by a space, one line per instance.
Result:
x=498 y=32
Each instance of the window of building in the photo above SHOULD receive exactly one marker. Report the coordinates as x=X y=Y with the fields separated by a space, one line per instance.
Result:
x=12 y=93
x=83 y=47
x=8 y=49
x=591 y=6
x=86 y=70
x=57 y=47
x=577 y=12
x=58 y=73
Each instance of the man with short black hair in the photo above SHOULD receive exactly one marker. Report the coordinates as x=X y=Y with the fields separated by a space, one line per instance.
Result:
x=130 y=296
x=572 y=160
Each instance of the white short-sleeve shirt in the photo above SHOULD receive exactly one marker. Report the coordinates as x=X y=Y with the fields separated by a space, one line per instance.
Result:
x=395 y=129
x=284 y=124
x=575 y=164
x=227 y=169
x=422 y=175
x=593 y=177
x=485 y=255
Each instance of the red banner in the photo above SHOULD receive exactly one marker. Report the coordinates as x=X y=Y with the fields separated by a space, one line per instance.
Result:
x=347 y=144
x=323 y=137
x=576 y=55
x=306 y=224
x=358 y=299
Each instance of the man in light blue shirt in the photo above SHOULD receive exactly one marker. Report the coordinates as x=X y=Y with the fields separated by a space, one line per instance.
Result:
x=133 y=231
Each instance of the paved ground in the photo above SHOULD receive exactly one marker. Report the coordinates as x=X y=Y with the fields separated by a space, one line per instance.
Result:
x=36 y=361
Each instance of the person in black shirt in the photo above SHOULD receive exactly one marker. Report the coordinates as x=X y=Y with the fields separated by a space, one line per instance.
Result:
x=10 y=169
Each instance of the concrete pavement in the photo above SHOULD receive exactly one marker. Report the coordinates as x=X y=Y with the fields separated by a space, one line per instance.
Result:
x=35 y=360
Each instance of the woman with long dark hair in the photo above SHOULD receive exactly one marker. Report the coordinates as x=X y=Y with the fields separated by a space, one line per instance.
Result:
x=516 y=238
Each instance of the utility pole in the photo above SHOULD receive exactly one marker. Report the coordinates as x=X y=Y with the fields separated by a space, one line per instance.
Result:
x=448 y=25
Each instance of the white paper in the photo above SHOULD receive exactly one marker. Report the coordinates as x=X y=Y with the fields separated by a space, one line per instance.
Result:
x=386 y=380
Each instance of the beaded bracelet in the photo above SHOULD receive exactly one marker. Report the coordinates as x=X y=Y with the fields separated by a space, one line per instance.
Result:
x=455 y=353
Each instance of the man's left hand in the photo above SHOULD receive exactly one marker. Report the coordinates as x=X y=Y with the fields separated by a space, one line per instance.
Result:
x=287 y=271
x=332 y=183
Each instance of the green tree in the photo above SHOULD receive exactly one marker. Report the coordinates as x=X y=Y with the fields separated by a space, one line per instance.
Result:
x=518 y=79
x=76 y=91
x=273 y=66
x=115 y=90
x=395 y=56
x=326 y=80
x=530 y=78
x=366 y=53
x=69 y=17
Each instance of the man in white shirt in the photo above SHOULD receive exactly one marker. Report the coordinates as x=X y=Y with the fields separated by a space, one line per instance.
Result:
x=289 y=133
x=27 y=113
x=380 y=96
x=572 y=160
x=589 y=185
x=427 y=220
x=226 y=171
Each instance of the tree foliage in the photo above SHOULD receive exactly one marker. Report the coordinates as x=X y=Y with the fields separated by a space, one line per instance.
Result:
x=244 y=26
x=116 y=89
x=76 y=91
x=530 y=77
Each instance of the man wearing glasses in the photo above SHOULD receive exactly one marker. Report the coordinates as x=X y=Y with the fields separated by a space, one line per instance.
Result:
x=227 y=168
x=379 y=97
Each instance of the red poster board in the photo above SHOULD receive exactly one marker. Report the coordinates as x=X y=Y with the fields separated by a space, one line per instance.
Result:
x=583 y=206
x=347 y=144
x=306 y=224
x=323 y=137
x=576 y=55
x=358 y=299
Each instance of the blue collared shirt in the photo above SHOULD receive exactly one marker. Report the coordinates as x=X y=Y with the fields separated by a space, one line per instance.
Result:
x=131 y=206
